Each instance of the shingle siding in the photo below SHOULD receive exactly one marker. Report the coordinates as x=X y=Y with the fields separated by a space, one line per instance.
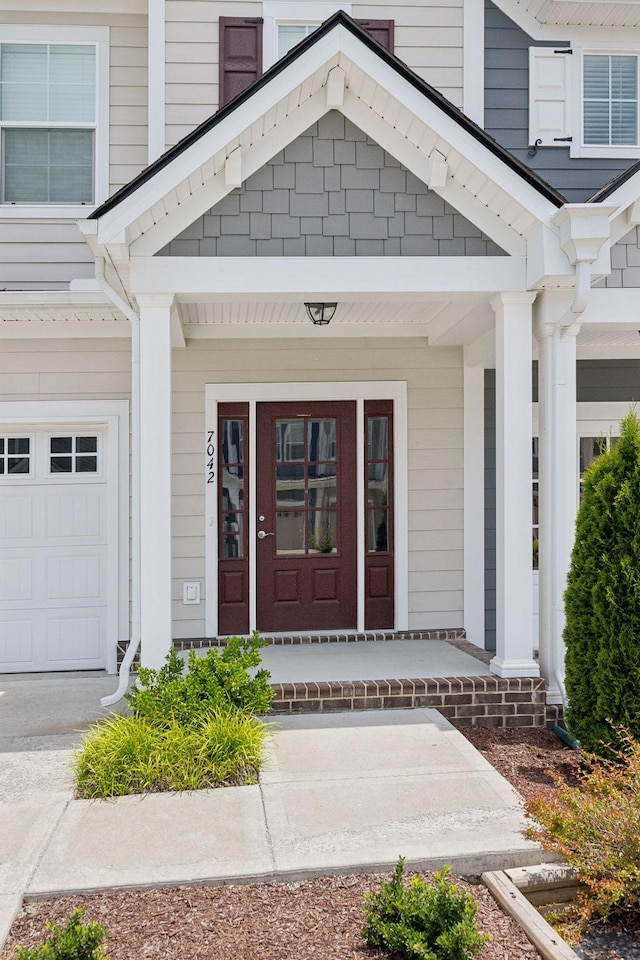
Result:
x=363 y=204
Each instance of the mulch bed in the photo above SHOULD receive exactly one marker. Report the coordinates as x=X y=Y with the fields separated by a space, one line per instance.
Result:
x=317 y=919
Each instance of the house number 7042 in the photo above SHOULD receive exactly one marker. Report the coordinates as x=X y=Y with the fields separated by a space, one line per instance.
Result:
x=211 y=463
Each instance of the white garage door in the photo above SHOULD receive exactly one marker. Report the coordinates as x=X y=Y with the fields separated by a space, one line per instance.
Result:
x=53 y=549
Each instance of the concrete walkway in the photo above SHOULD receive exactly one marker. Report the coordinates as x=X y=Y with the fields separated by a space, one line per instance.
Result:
x=339 y=792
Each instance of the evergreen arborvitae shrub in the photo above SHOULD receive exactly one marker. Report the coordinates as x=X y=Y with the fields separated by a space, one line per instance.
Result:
x=602 y=600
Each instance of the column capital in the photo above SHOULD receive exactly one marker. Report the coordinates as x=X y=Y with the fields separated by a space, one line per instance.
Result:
x=151 y=300
x=512 y=298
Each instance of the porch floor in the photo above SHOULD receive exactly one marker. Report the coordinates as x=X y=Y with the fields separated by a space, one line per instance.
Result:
x=372 y=660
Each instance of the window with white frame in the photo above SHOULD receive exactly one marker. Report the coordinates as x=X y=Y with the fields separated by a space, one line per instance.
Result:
x=610 y=99
x=54 y=119
x=290 y=35
x=284 y=27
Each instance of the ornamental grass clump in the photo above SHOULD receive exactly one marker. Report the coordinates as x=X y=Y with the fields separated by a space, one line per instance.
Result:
x=77 y=940
x=124 y=755
x=419 y=921
x=595 y=827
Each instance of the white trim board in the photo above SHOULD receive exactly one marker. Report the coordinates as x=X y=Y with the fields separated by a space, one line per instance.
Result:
x=114 y=414
x=253 y=393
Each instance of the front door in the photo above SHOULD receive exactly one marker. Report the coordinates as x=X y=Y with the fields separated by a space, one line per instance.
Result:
x=306 y=549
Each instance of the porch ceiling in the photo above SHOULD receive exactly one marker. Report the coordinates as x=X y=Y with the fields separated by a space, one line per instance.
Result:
x=605 y=13
x=451 y=322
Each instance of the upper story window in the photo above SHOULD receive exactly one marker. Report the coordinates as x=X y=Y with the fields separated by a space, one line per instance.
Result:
x=290 y=34
x=48 y=116
x=584 y=100
x=53 y=119
x=610 y=99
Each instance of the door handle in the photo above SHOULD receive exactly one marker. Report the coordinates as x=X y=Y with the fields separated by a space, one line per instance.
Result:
x=263 y=533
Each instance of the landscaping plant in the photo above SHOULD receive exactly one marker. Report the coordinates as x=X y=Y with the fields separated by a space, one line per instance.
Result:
x=419 y=921
x=595 y=827
x=221 y=678
x=602 y=600
x=123 y=755
x=77 y=940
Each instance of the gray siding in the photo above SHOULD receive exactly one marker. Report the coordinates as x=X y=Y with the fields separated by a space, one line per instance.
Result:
x=332 y=192
x=598 y=381
x=625 y=262
x=507 y=111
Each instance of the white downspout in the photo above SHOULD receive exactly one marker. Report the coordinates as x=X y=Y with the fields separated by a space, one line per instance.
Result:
x=134 y=640
x=569 y=326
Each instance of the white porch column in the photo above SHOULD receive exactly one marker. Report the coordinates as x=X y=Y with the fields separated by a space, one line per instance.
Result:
x=514 y=601
x=155 y=478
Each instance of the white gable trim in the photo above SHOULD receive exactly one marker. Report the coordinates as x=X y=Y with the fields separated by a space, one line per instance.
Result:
x=383 y=103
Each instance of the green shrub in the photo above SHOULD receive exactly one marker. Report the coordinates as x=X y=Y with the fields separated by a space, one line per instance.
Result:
x=422 y=922
x=602 y=600
x=596 y=828
x=219 y=679
x=75 y=941
x=123 y=755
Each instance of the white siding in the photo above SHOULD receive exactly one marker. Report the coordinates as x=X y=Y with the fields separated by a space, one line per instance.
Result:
x=192 y=60
x=434 y=378
x=428 y=37
x=65 y=369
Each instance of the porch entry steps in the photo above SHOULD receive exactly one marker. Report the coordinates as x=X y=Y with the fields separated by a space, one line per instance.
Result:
x=472 y=698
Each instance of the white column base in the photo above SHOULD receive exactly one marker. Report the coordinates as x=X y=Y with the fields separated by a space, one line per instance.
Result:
x=554 y=695
x=514 y=668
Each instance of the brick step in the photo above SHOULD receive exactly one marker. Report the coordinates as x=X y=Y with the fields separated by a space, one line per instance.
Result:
x=466 y=701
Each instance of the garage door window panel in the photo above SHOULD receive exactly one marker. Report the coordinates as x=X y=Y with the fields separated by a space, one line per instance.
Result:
x=73 y=454
x=15 y=455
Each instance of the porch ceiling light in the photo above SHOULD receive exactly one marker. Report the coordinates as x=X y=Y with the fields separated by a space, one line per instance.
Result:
x=320 y=314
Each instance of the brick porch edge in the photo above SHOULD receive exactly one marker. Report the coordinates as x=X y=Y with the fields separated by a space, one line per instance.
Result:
x=464 y=701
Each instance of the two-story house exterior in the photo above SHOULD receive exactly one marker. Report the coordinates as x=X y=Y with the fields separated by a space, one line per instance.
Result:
x=286 y=290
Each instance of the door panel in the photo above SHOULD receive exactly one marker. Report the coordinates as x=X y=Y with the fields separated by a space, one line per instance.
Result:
x=306 y=513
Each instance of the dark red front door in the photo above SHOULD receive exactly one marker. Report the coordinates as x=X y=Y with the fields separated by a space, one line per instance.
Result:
x=306 y=516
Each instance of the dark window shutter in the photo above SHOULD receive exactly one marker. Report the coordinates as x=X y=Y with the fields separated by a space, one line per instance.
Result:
x=240 y=55
x=382 y=30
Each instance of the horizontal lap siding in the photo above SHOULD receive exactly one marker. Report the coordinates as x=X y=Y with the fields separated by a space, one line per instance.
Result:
x=428 y=38
x=128 y=152
x=48 y=254
x=435 y=454
x=65 y=369
x=192 y=60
